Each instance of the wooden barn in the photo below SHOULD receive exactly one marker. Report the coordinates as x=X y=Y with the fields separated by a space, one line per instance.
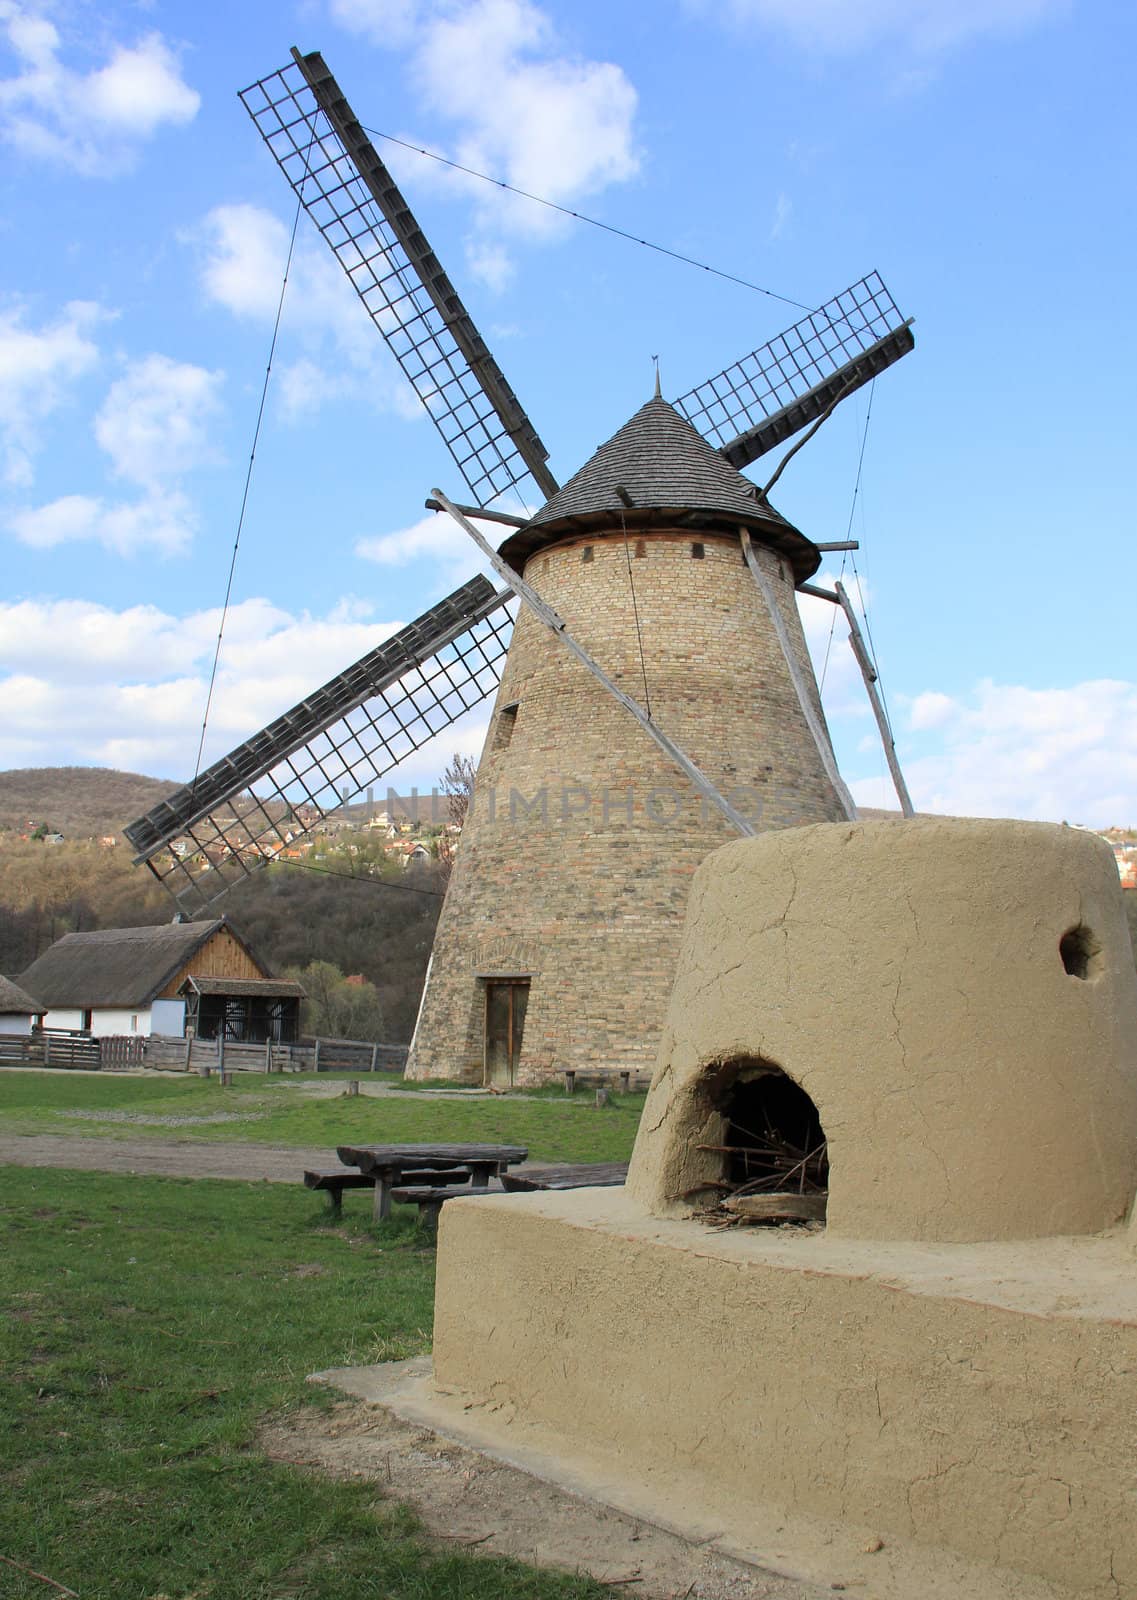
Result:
x=164 y=980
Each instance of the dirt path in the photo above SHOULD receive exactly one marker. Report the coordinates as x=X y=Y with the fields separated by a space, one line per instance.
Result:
x=166 y=1158
x=470 y=1501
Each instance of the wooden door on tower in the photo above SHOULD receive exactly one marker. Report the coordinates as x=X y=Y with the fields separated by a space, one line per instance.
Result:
x=506 y=1000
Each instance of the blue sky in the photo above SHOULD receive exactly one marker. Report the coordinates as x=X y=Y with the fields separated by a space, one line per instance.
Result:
x=979 y=153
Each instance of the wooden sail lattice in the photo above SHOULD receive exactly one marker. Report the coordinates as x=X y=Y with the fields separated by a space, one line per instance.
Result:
x=792 y=380
x=265 y=797
x=346 y=189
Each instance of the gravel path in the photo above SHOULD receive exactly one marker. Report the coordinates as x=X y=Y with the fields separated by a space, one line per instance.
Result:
x=165 y=1158
x=174 y=1158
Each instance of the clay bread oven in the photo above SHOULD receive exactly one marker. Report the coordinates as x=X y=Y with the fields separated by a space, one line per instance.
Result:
x=945 y=1374
x=957 y=1000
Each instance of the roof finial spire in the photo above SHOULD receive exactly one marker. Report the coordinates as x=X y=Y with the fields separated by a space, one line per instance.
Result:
x=658 y=395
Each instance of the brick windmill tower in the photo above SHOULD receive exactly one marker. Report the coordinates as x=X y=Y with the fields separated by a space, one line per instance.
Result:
x=656 y=696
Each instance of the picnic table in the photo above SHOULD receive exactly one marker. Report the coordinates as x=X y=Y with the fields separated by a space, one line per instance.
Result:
x=393 y=1166
x=573 y=1175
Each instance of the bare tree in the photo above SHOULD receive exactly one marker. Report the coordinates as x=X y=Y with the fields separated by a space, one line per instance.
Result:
x=458 y=787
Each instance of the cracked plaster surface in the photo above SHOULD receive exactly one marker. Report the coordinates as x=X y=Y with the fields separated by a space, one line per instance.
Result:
x=978 y=1398
x=908 y=977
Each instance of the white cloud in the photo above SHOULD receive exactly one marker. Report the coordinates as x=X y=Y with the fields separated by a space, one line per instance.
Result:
x=384 y=22
x=153 y=426
x=153 y=423
x=555 y=125
x=243 y=250
x=127 y=688
x=927 y=26
x=435 y=542
x=91 y=672
x=161 y=521
x=92 y=122
x=37 y=368
x=525 y=111
x=931 y=710
x=490 y=264
x=1005 y=750
x=783 y=209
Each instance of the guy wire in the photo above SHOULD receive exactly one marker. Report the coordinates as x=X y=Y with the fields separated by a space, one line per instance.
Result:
x=848 y=531
x=248 y=483
x=356 y=877
x=593 y=222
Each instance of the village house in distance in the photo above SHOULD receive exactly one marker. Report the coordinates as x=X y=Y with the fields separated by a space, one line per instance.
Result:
x=177 y=978
x=19 y=1013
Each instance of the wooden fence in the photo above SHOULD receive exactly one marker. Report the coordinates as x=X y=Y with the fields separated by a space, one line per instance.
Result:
x=121 y=1052
x=50 y=1048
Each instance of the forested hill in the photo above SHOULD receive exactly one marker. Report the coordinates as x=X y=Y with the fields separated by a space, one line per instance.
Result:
x=80 y=802
x=380 y=926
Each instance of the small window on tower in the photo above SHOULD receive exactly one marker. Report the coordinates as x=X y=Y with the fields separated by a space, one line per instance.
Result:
x=698 y=551
x=506 y=721
x=586 y=553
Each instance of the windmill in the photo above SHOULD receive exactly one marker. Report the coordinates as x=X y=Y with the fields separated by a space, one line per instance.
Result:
x=656 y=587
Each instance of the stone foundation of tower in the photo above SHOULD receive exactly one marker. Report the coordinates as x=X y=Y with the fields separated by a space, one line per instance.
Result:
x=575 y=862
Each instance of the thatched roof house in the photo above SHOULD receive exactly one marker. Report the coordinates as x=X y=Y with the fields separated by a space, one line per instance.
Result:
x=18 y=1011
x=133 y=980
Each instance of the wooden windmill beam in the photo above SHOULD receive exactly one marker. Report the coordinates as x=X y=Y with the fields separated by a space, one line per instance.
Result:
x=388 y=197
x=818 y=401
x=813 y=722
x=869 y=673
x=556 y=626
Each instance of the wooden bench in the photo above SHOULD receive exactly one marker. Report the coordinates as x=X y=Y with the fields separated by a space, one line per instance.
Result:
x=566 y=1175
x=603 y=1077
x=392 y=1166
x=430 y=1201
x=334 y=1183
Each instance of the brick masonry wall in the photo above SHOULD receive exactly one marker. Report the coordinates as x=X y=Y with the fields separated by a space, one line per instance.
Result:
x=576 y=859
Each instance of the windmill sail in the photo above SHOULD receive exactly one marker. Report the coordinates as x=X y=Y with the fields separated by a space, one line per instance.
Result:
x=348 y=192
x=770 y=394
x=260 y=800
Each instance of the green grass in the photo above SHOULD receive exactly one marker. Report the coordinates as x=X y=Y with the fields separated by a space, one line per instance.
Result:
x=147 y=1327
x=281 y=1111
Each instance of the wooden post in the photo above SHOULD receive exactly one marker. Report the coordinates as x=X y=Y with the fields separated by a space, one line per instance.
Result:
x=374 y=1057
x=268 y=1055
x=353 y=1086
x=189 y=1051
x=47 y=1049
x=381 y=1202
x=868 y=672
x=570 y=1081
x=317 y=1055
x=221 y=1051
x=225 y=1078
x=625 y=1082
x=601 y=1097
x=816 y=728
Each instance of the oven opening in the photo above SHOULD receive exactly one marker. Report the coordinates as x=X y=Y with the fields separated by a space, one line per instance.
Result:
x=775 y=1159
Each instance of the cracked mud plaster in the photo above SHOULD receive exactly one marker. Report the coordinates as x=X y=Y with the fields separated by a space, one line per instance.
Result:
x=908 y=976
x=934 y=1394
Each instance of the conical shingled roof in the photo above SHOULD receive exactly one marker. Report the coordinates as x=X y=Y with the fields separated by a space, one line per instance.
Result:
x=663 y=466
